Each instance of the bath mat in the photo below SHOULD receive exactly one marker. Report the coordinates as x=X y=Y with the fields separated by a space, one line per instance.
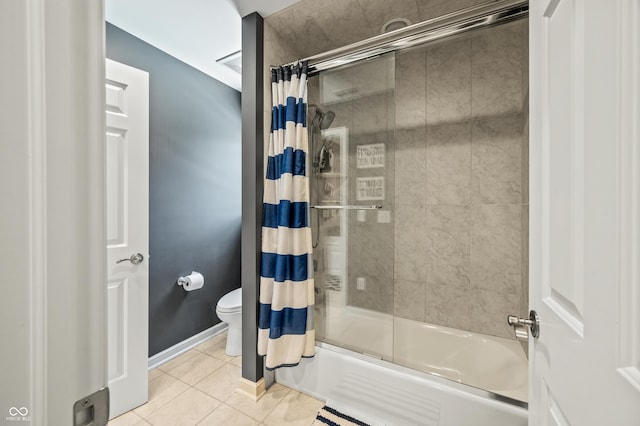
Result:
x=332 y=417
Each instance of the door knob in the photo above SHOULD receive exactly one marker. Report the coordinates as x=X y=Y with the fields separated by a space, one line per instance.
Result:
x=136 y=259
x=520 y=325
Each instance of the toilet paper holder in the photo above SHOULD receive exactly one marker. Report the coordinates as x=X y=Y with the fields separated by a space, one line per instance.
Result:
x=193 y=281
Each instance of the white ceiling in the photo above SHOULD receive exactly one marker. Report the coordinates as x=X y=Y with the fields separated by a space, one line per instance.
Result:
x=263 y=7
x=195 y=31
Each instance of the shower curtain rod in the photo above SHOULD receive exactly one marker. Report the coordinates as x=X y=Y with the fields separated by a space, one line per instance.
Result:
x=481 y=16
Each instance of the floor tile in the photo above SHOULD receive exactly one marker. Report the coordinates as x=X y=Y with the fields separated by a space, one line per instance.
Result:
x=259 y=410
x=161 y=390
x=202 y=347
x=187 y=409
x=127 y=419
x=178 y=360
x=295 y=409
x=155 y=373
x=217 y=351
x=199 y=388
x=221 y=383
x=225 y=415
x=195 y=368
x=237 y=361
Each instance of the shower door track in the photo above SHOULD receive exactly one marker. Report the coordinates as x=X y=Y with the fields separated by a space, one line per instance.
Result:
x=350 y=207
x=454 y=24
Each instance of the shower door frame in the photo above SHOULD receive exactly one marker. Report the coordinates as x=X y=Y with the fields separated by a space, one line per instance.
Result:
x=486 y=15
x=450 y=26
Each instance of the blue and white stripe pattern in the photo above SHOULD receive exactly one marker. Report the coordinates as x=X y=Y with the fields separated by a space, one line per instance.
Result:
x=285 y=330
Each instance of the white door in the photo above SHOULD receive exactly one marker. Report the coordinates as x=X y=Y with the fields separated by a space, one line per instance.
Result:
x=52 y=242
x=585 y=212
x=127 y=176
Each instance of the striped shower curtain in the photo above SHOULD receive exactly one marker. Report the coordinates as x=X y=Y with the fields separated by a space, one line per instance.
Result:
x=286 y=332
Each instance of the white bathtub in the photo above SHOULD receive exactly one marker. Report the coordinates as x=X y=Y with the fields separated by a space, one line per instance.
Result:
x=491 y=363
x=384 y=393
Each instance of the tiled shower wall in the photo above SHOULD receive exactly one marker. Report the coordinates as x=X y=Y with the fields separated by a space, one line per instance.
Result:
x=276 y=51
x=455 y=251
x=459 y=262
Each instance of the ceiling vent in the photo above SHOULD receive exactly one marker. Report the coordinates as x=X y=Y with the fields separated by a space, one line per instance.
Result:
x=394 y=24
x=233 y=61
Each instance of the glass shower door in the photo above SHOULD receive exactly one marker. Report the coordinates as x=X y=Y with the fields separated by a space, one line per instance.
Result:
x=352 y=195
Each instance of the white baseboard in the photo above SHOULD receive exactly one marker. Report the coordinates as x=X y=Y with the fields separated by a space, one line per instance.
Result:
x=180 y=348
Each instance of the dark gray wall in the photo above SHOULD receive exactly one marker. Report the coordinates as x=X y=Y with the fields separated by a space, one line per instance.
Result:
x=194 y=189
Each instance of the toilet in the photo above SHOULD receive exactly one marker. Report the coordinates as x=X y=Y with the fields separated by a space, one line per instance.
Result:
x=229 y=310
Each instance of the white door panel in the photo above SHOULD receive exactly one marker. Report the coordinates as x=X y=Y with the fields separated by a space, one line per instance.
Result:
x=127 y=152
x=584 y=212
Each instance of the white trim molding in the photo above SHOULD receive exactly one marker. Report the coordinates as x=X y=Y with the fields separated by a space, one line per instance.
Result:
x=629 y=196
x=182 y=347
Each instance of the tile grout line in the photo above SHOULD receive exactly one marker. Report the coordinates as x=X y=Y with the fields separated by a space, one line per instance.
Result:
x=181 y=381
x=176 y=396
x=260 y=422
x=216 y=369
x=209 y=413
x=152 y=412
x=278 y=403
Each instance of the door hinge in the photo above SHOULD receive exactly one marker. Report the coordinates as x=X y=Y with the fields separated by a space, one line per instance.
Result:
x=92 y=410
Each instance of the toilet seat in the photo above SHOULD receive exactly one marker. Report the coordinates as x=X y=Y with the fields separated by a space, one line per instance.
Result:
x=230 y=302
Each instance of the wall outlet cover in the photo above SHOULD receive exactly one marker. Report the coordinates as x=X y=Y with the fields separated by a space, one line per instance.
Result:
x=361 y=283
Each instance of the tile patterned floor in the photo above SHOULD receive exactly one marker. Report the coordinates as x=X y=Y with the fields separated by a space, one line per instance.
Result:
x=199 y=388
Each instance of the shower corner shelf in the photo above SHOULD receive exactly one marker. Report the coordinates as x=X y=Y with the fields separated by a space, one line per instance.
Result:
x=330 y=175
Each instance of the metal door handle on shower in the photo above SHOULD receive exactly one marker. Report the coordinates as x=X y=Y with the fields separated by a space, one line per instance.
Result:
x=372 y=207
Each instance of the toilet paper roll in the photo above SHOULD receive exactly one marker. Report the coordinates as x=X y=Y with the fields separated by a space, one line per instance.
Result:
x=193 y=281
